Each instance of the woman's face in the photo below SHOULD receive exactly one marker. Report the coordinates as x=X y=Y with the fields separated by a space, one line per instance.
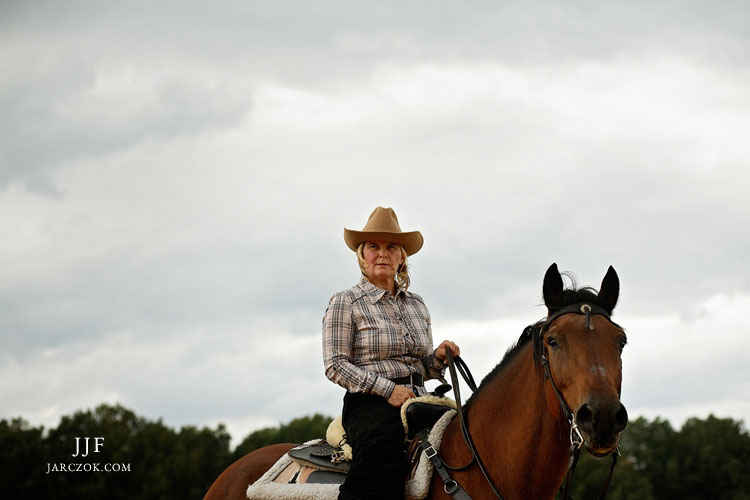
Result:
x=382 y=260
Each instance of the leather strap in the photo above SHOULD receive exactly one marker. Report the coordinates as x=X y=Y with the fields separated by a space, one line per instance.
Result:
x=411 y=379
x=463 y=369
x=450 y=486
x=580 y=308
x=609 y=475
x=461 y=419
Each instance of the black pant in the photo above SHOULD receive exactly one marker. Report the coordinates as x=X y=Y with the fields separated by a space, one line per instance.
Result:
x=376 y=434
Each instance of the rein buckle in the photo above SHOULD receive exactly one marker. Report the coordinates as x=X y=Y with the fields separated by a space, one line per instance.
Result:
x=430 y=452
x=576 y=438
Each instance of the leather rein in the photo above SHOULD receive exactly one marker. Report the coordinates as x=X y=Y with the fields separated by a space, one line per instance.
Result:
x=576 y=437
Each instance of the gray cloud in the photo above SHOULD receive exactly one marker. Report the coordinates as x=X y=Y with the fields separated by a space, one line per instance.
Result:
x=172 y=70
x=205 y=159
x=47 y=125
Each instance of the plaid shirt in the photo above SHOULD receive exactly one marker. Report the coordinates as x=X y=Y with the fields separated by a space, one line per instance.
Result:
x=370 y=336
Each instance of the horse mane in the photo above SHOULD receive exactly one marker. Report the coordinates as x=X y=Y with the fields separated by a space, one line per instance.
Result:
x=532 y=333
x=527 y=336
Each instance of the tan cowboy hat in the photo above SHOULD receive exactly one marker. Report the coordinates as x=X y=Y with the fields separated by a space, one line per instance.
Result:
x=383 y=226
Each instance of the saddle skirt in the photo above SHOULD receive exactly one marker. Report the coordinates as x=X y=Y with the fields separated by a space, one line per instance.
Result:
x=314 y=470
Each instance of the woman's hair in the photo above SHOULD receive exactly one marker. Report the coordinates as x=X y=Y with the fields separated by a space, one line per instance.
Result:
x=402 y=275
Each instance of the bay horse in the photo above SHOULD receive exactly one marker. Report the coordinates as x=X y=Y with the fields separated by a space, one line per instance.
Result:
x=563 y=374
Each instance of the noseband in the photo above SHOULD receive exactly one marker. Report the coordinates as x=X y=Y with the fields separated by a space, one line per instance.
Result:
x=576 y=437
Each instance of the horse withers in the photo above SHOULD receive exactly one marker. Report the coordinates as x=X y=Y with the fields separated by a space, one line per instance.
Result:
x=559 y=384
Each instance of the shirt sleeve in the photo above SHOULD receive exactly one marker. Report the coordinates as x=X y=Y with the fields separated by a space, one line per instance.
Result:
x=338 y=336
x=434 y=368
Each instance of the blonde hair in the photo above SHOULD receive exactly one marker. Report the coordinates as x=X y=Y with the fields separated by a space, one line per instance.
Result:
x=402 y=275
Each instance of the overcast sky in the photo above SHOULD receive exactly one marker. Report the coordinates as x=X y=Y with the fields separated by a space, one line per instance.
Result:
x=175 y=178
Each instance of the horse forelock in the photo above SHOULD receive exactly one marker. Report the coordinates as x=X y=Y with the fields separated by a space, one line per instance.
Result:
x=574 y=296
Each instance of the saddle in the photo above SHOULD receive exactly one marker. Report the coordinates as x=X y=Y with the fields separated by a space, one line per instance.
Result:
x=330 y=458
x=320 y=466
x=288 y=480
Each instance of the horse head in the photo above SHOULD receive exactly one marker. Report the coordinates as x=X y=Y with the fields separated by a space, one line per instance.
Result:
x=581 y=348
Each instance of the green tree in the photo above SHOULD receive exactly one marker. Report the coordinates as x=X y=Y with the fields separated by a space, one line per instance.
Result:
x=199 y=456
x=159 y=462
x=706 y=459
x=646 y=451
x=298 y=430
x=21 y=459
x=714 y=459
x=632 y=478
x=117 y=426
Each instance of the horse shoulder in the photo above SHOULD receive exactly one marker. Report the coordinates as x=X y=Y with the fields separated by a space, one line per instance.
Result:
x=233 y=482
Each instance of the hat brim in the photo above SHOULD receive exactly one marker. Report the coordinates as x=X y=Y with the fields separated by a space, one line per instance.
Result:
x=412 y=241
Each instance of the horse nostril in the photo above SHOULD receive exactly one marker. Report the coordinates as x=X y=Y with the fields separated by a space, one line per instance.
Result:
x=586 y=419
x=621 y=419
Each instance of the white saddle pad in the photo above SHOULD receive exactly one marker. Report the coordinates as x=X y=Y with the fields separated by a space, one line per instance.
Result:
x=416 y=489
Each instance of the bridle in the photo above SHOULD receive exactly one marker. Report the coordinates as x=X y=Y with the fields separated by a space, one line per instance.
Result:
x=577 y=440
x=576 y=437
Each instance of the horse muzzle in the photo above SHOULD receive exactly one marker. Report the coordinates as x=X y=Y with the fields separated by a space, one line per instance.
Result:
x=601 y=425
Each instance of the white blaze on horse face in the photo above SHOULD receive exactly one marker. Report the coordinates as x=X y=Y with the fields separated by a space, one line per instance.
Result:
x=598 y=369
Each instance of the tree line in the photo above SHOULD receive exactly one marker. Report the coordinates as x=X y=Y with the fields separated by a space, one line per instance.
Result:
x=137 y=457
x=705 y=458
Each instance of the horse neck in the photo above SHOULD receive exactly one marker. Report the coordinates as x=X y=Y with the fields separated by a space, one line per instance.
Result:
x=519 y=433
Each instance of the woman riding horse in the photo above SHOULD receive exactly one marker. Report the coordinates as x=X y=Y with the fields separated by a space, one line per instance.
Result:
x=555 y=392
x=377 y=344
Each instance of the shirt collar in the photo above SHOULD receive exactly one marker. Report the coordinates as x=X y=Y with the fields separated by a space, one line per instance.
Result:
x=374 y=292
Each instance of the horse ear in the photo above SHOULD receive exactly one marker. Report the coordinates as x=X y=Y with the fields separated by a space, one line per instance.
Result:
x=552 y=288
x=610 y=290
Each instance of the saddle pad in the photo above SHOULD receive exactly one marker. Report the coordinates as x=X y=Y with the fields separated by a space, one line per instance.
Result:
x=296 y=473
x=417 y=488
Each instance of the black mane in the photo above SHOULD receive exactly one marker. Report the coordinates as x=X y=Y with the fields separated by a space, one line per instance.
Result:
x=576 y=296
x=529 y=333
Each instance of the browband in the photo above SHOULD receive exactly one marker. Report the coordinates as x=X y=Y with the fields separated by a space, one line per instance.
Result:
x=580 y=308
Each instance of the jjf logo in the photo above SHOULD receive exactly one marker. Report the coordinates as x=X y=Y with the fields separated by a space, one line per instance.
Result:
x=98 y=443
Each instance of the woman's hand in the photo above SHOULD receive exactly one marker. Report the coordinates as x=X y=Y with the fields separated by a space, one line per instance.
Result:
x=441 y=354
x=399 y=396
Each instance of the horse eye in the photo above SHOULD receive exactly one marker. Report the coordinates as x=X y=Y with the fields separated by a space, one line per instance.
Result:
x=622 y=344
x=552 y=342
